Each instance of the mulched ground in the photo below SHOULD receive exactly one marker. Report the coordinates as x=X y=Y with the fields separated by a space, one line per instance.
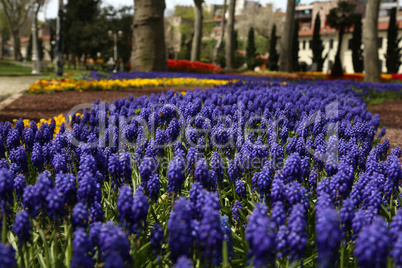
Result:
x=391 y=117
x=390 y=113
x=36 y=107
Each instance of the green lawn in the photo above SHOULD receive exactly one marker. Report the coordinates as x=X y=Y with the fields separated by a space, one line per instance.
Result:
x=8 y=68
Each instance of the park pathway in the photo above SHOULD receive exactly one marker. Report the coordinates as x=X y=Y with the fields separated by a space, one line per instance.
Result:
x=12 y=87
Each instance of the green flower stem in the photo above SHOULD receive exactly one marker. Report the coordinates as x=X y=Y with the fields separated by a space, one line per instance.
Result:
x=4 y=228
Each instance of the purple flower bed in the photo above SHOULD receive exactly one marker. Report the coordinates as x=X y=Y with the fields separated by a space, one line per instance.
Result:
x=242 y=174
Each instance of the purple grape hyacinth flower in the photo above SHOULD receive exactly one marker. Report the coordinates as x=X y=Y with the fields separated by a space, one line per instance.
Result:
x=82 y=249
x=329 y=235
x=372 y=244
x=80 y=218
x=297 y=238
x=7 y=255
x=22 y=227
x=260 y=235
x=179 y=228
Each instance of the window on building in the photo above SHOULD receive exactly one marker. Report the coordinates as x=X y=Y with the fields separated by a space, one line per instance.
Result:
x=379 y=42
x=331 y=43
x=304 y=44
x=310 y=44
x=350 y=43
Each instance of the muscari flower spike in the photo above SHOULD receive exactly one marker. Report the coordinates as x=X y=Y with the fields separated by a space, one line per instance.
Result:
x=6 y=186
x=179 y=228
x=211 y=234
x=80 y=217
x=329 y=236
x=157 y=237
x=82 y=249
x=22 y=227
x=260 y=235
x=175 y=174
x=373 y=244
x=7 y=255
x=297 y=238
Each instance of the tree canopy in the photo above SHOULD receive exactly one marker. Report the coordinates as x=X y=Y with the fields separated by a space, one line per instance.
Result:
x=295 y=51
x=317 y=45
x=88 y=34
x=273 y=54
x=393 y=55
x=81 y=31
x=251 y=50
x=356 y=43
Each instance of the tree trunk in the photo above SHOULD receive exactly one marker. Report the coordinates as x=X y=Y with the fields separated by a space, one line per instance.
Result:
x=220 y=41
x=188 y=44
x=287 y=36
x=148 y=53
x=370 y=36
x=1 y=43
x=196 y=47
x=230 y=36
x=337 y=69
x=17 y=45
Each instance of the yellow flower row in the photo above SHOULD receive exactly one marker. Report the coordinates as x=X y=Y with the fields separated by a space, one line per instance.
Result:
x=53 y=85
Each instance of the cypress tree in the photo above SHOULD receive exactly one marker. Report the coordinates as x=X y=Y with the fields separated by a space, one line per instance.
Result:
x=273 y=54
x=316 y=45
x=250 y=50
x=357 y=52
x=393 y=56
x=235 y=41
x=295 y=51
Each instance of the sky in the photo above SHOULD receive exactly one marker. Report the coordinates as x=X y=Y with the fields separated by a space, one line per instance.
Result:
x=52 y=5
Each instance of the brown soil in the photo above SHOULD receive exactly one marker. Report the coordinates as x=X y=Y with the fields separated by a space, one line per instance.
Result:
x=390 y=113
x=36 y=107
x=391 y=117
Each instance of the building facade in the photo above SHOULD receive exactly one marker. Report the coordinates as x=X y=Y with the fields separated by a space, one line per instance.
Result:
x=44 y=36
x=306 y=15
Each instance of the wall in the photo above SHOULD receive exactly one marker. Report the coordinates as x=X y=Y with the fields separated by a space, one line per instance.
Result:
x=305 y=55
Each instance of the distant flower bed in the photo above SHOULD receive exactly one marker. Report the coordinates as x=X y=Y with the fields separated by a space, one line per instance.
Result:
x=396 y=76
x=42 y=86
x=192 y=66
x=351 y=76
